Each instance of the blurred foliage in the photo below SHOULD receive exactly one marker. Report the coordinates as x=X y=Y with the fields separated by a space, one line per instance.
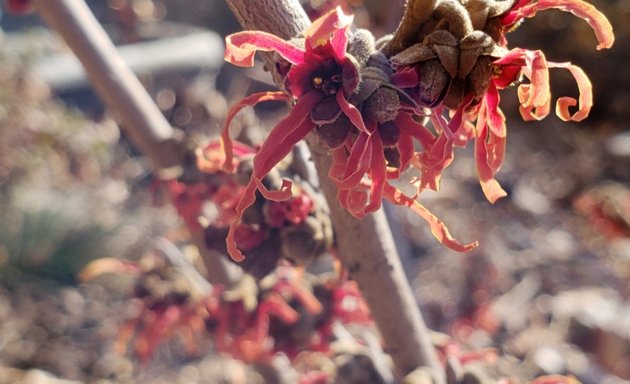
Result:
x=63 y=182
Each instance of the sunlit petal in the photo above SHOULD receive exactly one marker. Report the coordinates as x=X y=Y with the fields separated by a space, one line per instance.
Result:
x=249 y=101
x=598 y=22
x=585 y=101
x=331 y=25
x=438 y=229
x=241 y=47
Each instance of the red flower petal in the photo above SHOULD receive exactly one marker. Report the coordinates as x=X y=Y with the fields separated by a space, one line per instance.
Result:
x=408 y=125
x=496 y=118
x=278 y=144
x=352 y=112
x=249 y=101
x=438 y=229
x=285 y=135
x=331 y=27
x=406 y=151
x=491 y=188
x=598 y=22
x=438 y=155
x=406 y=78
x=378 y=175
x=537 y=70
x=586 y=95
x=535 y=98
x=531 y=112
x=241 y=47
x=357 y=164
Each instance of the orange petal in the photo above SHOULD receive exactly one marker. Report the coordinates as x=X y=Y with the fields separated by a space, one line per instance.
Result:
x=490 y=186
x=241 y=47
x=378 y=175
x=249 y=101
x=322 y=29
x=438 y=229
x=586 y=95
x=600 y=24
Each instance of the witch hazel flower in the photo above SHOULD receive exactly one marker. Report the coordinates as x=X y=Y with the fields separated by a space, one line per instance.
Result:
x=320 y=79
x=459 y=68
x=352 y=106
x=534 y=94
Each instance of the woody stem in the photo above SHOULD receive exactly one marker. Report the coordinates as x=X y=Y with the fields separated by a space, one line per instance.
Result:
x=365 y=246
x=122 y=92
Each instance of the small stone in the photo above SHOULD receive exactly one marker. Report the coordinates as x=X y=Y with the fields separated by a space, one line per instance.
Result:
x=418 y=376
x=619 y=145
x=549 y=360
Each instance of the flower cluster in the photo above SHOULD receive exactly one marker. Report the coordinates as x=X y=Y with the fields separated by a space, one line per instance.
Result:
x=460 y=62
x=370 y=107
x=297 y=229
x=288 y=312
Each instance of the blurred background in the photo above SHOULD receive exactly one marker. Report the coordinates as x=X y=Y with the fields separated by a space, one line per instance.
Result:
x=548 y=286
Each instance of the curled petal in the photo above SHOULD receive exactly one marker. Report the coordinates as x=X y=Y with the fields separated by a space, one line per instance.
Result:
x=212 y=157
x=378 y=175
x=490 y=186
x=357 y=164
x=247 y=199
x=330 y=27
x=249 y=101
x=279 y=143
x=435 y=158
x=438 y=229
x=285 y=135
x=495 y=148
x=535 y=98
x=537 y=71
x=353 y=200
x=339 y=161
x=531 y=112
x=241 y=47
x=597 y=21
x=585 y=101
x=284 y=193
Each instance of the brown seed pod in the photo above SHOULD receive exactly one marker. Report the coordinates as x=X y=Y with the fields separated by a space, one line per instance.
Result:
x=304 y=242
x=334 y=134
x=434 y=83
x=361 y=46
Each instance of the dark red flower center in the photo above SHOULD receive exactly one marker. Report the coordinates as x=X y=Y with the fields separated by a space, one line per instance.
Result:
x=329 y=78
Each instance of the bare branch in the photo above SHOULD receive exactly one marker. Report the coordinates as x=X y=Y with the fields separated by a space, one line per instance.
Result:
x=123 y=93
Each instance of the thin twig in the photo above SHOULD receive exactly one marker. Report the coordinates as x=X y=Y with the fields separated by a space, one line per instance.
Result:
x=366 y=246
x=123 y=93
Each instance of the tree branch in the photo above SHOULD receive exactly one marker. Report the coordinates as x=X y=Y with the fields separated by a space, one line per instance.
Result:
x=366 y=246
x=123 y=93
